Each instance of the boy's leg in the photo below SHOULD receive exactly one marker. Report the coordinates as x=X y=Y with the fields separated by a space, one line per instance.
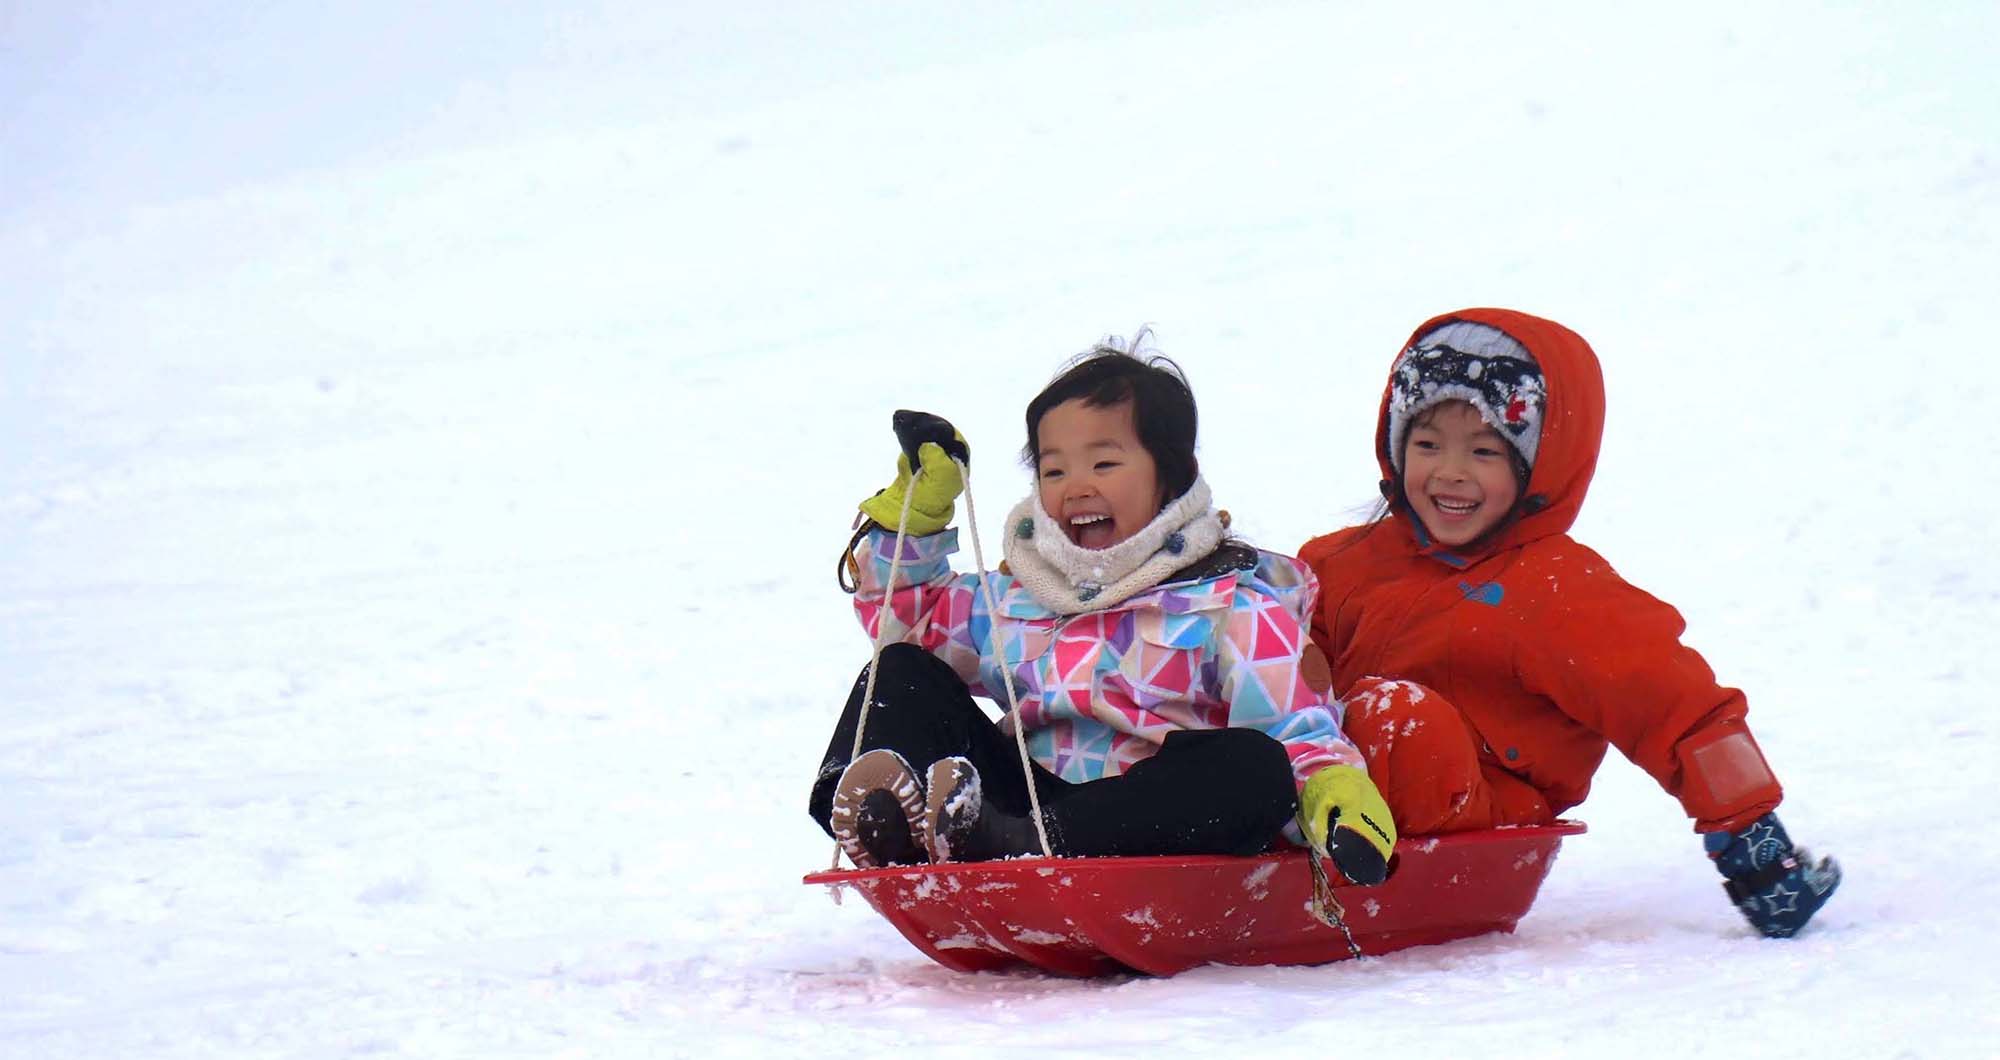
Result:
x=1424 y=758
x=1218 y=791
x=923 y=712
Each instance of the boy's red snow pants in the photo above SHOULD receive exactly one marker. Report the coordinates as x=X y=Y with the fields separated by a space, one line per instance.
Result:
x=1428 y=762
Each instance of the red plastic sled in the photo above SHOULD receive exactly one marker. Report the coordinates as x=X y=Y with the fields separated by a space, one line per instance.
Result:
x=1161 y=915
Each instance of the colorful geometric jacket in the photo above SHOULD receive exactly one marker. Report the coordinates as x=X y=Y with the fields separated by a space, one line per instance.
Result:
x=1100 y=691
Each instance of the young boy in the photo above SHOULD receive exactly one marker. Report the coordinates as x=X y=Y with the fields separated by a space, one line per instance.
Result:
x=1487 y=659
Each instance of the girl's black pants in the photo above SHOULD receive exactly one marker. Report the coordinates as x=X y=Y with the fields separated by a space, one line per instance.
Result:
x=1216 y=791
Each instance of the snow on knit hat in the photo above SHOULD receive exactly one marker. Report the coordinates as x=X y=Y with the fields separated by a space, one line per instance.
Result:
x=1475 y=363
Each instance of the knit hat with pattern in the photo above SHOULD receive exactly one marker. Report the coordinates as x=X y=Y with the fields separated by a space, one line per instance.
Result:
x=1475 y=363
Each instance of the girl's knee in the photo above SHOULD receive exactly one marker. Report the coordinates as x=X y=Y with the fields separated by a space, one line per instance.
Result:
x=1222 y=744
x=904 y=658
x=1265 y=767
x=1249 y=760
x=906 y=673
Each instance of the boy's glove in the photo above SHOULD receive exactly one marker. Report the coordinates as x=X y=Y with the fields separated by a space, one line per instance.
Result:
x=1343 y=799
x=1777 y=887
x=929 y=443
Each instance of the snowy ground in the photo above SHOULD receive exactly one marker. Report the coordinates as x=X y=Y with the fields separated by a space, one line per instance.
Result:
x=425 y=442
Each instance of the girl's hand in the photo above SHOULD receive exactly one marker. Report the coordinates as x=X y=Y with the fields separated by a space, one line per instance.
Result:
x=934 y=489
x=1342 y=799
x=913 y=429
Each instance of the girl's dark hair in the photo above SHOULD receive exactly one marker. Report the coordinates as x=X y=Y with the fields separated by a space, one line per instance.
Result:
x=1163 y=413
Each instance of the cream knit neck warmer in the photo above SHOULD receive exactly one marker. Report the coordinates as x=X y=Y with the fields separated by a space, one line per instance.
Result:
x=1069 y=579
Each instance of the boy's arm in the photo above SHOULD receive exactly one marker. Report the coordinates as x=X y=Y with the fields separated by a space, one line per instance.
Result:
x=1610 y=656
x=1623 y=671
x=1313 y=554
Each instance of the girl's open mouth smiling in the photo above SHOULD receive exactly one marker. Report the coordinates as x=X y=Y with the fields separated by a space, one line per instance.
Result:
x=1092 y=530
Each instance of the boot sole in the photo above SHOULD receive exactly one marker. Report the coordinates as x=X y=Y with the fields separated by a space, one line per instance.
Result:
x=877 y=770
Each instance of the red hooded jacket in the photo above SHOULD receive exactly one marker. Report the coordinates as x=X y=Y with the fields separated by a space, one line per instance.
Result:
x=1541 y=646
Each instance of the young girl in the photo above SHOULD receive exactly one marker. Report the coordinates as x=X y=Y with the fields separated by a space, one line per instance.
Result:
x=1486 y=658
x=1157 y=663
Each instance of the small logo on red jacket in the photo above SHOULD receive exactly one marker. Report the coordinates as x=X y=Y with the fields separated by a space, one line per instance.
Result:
x=1488 y=593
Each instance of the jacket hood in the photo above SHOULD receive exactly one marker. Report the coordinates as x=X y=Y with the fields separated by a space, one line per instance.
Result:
x=1572 y=429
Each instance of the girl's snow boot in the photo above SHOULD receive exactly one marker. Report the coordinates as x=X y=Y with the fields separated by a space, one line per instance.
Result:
x=878 y=809
x=959 y=825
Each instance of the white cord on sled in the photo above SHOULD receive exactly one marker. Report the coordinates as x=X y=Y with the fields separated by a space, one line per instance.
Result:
x=992 y=611
x=881 y=626
x=1006 y=670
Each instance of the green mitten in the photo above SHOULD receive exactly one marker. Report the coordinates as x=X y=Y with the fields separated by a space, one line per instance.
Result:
x=1343 y=799
x=935 y=491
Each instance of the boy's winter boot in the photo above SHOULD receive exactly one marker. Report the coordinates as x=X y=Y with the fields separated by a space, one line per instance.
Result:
x=1777 y=887
x=878 y=808
x=960 y=826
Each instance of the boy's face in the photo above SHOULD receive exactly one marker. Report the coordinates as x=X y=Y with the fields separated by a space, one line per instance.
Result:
x=1095 y=478
x=1458 y=473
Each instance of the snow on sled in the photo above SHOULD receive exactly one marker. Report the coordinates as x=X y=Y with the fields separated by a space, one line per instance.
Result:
x=1162 y=915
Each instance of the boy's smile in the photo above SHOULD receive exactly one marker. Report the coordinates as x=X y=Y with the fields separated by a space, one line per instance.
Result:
x=1458 y=474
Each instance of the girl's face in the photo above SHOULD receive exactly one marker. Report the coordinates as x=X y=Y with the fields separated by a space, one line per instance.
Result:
x=1458 y=473
x=1095 y=478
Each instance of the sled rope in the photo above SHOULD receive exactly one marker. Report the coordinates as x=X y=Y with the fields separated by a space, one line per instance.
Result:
x=1006 y=670
x=882 y=641
x=875 y=657
x=1325 y=907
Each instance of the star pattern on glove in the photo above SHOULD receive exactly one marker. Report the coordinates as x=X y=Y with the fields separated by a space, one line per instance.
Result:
x=1778 y=887
x=1761 y=837
x=1791 y=900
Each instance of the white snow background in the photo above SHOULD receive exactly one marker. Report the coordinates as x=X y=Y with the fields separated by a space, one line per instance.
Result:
x=426 y=437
